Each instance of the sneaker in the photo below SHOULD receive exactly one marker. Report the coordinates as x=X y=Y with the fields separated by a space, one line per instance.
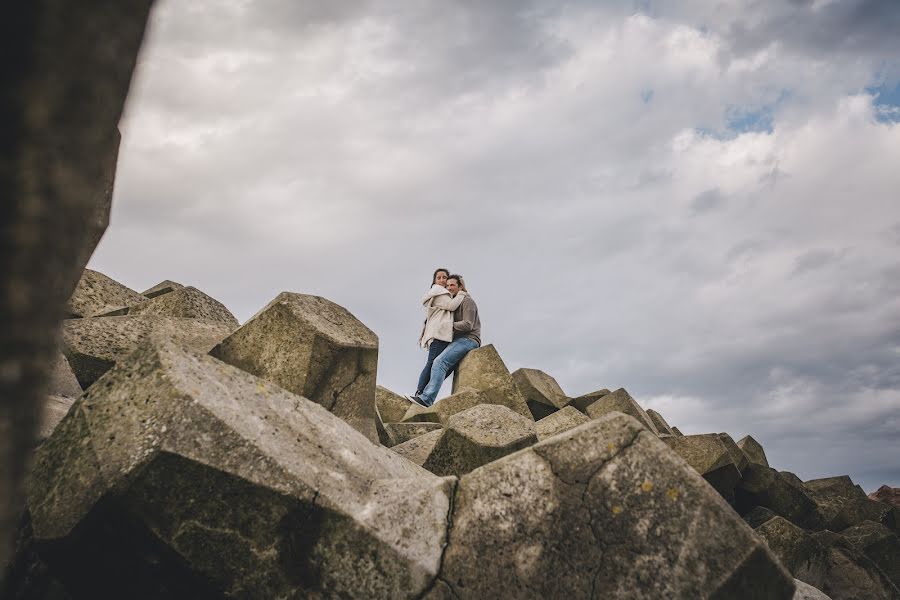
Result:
x=414 y=399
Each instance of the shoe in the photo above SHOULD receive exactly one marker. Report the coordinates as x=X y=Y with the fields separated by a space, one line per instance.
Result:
x=415 y=400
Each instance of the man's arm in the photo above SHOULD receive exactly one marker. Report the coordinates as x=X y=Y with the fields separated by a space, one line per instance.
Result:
x=467 y=321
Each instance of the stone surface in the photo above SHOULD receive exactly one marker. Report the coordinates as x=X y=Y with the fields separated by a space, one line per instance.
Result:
x=851 y=575
x=832 y=493
x=478 y=436
x=659 y=422
x=419 y=448
x=619 y=401
x=758 y=515
x=96 y=294
x=93 y=345
x=887 y=494
x=677 y=431
x=805 y=558
x=737 y=455
x=314 y=348
x=403 y=432
x=862 y=509
x=707 y=454
x=163 y=287
x=391 y=405
x=541 y=392
x=582 y=402
x=564 y=419
x=807 y=592
x=880 y=544
x=753 y=450
x=483 y=370
x=53 y=411
x=189 y=303
x=764 y=486
x=445 y=408
x=63 y=94
x=604 y=510
x=121 y=498
x=62 y=379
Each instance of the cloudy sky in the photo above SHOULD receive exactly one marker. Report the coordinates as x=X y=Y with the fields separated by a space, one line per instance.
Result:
x=695 y=200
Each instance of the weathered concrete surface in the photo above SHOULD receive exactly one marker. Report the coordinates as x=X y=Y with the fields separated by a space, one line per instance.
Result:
x=303 y=504
x=445 y=408
x=832 y=493
x=52 y=412
x=582 y=402
x=753 y=450
x=478 y=436
x=805 y=558
x=391 y=405
x=312 y=347
x=808 y=592
x=677 y=431
x=887 y=494
x=737 y=455
x=482 y=369
x=565 y=419
x=659 y=422
x=188 y=303
x=418 y=449
x=66 y=71
x=764 y=486
x=96 y=294
x=758 y=515
x=93 y=345
x=858 y=510
x=403 y=432
x=541 y=392
x=604 y=510
x=619 y=401
x=851 y=575
x=880 y=544
x=163 y=287
x=62 y=378
x=707 y=454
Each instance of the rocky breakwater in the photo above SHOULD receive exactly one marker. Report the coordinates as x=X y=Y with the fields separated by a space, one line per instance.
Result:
x=262 y=461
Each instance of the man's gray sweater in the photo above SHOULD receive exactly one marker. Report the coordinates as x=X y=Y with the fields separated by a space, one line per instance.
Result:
x=466 y=322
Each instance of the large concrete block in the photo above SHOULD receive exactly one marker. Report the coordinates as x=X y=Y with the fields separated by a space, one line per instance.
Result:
x=887 y=494
x=188 y=303
x=482 y=369
x=478 y=436
x=399 y=433
x=619 y=401
x=880 y=544
x=52 y=412
x=709 y=456
x=805 y=558
x=163 y=287
x=659 y=422
x=93 y=345
x=181 y=476
x=312 y=347
x=391 y=405
x=564 y=419
x=582 y=402
x=858 y=510
x=96 y=294
x=737 y=455
x=541 y=392
x=604 y=510
x=445 y=408
x=805 y=591
x=418 y=449
x=832 y=493
x=764 y=486
x=851 y=575
x=753 y=450
x=63 y=381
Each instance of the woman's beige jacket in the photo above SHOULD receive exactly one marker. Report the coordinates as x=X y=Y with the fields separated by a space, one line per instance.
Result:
x=439 y=307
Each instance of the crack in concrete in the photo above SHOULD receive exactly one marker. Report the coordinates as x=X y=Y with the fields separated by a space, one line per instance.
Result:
x=450 y=509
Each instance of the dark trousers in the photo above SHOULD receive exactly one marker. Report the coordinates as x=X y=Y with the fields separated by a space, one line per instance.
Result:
x=436 y=347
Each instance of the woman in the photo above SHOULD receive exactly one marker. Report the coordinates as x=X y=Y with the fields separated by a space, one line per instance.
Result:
x=437 y=331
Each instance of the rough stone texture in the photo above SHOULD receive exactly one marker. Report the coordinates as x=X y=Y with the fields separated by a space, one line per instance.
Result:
x=53 y=411
x=418 y=449
x=96 y=294
x=832 y=493
x=862 y=509
x=758 y=515
x=753 y=450
x=887 y=494
x=445 y=408
x=737 y=455
x=807 y=592
x=707 y=454
x=541 y=392
x=851 y=575
x=482 y=369
x=163 y=287
x=880 y=544
x=795 y=481
x=392 y=406
x=764 y=486
x=62 y=379
x=93 y=345
x=604 y=510
x=66 y=70
x=659 y=422
x=582 y=402
x=619 y=401
x=565 y=419
x=121 y=498
x=312 y=347
x=805 y=558
x=403 y=432
x=677 y=431
x=478 y=436
x=189 y=303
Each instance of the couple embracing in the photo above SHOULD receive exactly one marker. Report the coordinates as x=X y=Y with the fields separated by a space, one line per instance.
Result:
x=452 y=329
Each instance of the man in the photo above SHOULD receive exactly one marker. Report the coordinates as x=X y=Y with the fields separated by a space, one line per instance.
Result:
x=466 y=337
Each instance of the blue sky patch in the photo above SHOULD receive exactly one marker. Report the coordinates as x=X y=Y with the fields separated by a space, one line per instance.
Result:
x=886 y=102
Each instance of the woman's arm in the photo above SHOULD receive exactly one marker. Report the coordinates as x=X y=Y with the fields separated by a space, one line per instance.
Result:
x=445 y=302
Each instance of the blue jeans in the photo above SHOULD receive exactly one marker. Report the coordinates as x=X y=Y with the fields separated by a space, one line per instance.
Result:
x=434 y=349
x=443 y=364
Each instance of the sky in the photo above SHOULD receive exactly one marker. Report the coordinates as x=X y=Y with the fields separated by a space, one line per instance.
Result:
x=696 y=201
